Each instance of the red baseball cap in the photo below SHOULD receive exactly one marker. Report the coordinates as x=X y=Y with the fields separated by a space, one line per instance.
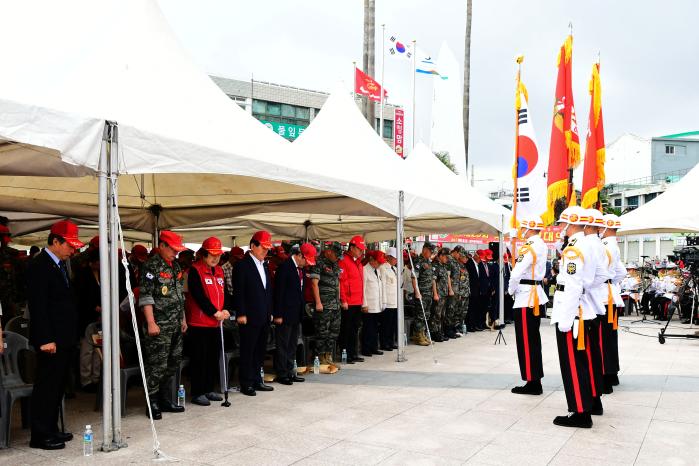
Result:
x=237 y=252
x=140 y=252
x=68 y=231
x=481 y=253
x=380 y=256
x=212 y=246
x=488 y=254
x=359 y=242
x=309 y=253
x=264 y=238
x=173 y=240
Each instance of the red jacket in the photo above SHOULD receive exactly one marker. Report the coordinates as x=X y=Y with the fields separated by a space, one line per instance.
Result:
x=212 y=284
x=351 y=281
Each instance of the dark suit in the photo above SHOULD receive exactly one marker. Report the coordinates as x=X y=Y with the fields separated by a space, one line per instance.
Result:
x=475 y=297
x=288 y=304
x=494 y=301
x=484 y=293
x=253 y=300
x=53 y=318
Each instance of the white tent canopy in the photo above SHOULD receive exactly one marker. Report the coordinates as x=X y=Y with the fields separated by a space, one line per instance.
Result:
x=671 y=212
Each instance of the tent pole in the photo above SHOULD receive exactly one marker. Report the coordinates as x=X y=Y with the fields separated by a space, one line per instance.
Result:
x=114 y=284
x=400 y=356
x=105 y=301
x=501 y=278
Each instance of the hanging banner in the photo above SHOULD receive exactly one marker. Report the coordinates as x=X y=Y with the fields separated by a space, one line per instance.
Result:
x=550 y=235
x=398 y=132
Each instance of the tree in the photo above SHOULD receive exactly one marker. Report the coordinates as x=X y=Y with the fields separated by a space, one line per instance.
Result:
x=467 y=74
x=443 y=157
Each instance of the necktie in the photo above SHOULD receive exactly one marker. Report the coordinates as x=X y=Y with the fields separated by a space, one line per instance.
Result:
x=376 y=273
x=300 y=271
x=64 y=271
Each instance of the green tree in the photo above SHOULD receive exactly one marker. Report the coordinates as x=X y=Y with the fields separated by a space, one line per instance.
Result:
x=443 y=157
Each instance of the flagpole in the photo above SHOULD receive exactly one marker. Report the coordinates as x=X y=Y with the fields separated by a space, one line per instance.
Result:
x=354 y=82
x=515 y=175
x=383 y=59
x=412 y=141
x=570 y=169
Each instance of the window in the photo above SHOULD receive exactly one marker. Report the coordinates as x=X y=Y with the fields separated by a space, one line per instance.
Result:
x=289 y=121
x=259 y=107
x=675 y=150
x=649 y=197
x=617 y=202
x=632 y=202
x=387 y=128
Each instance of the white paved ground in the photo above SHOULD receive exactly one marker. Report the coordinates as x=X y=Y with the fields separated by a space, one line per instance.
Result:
x=457 y=411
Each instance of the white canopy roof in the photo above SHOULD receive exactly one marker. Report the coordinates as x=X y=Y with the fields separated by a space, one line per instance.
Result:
x=671 y=212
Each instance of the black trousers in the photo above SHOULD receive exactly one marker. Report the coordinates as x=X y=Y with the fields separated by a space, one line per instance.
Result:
x=286 y=339
x=509 y=308
x=610 y=346
x=531 y=367
x=574 y=372
x=253 y=346
x=205 y=351
x=474 y=309
x=370 y=332
x=350 y=322
x=51 y=376
x=593 y=348
x=388 y=327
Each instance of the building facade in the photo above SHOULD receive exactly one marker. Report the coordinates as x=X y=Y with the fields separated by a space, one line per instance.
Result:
x=288 y=110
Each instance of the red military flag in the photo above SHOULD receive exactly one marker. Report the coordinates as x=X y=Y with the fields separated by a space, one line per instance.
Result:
x=564 y=151
x=593 y=174
x=366 y=85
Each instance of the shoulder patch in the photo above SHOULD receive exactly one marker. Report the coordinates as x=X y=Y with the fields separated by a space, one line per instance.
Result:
x=571 y=268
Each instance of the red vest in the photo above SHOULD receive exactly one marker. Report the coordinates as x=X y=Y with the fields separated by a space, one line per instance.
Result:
x=212 y=283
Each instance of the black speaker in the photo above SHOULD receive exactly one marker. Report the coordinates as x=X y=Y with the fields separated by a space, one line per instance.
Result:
x=495 y=247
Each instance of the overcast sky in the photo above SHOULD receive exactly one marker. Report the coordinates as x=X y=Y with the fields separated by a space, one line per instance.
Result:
x=648 y=49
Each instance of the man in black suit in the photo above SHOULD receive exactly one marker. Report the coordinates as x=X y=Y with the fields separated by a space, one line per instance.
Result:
x=474 y=298
x=252 y=305
x=53 y=332
x=288 y=310
x=484 y=286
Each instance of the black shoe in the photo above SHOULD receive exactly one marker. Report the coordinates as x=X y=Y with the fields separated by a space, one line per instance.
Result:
x=387 y=348
x=478 y=329
x=62 y=436
x=530 y=388
x=249 y=391
x=686 y=321
x=296 y=378
x=455 y=336
x=581 y=420
x=597 y=409
x=357 y=359
x=366 y=354
x=261 y=387
x=350 y=361
x=395 y=346
x=608 y=387
x=201 y=400
x=168 y=406
x=378 y=352
x=155 y=409
x=212 y=396
x=47 y=444
x=285 y=381
x=446 y=338
x=614 y=379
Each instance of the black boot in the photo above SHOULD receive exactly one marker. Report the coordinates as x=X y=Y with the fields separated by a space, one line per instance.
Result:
x=168 y=406
x=155 y=409
x=615 y=379
x=597 y=408
x=530 y=388
x=582 y=420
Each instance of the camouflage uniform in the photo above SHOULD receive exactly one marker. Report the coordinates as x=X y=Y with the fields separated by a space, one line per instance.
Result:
x=441 y=274
x=162 y=285
x=12 y=291
x=453 y=312
x=327 y=322
x=424 y=274
x=464 y=292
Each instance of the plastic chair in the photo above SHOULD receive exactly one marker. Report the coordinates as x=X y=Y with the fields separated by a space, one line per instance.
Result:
x=18 y=325
x=12 y=387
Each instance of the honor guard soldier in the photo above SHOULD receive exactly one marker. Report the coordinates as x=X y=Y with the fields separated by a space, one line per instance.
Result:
x=426 y=292
x=569 y=315
x=529 y=304
x=162 y=300
x=614 y=303
x=325 y=287
x=595 y=297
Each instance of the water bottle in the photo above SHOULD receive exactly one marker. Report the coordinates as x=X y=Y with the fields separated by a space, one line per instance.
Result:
x=87 y=441
x=463 y=329
x=180 y=396
x=405 y=339
x=316 y=366
x=344 y=356
x=296 y=369
x=262 y=374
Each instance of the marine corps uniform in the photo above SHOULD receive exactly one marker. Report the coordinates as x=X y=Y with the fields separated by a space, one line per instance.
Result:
x=452 y=320
x=464 y=290
x=609 y=325
x=424 y=275
x=162 y=286
x=327 y=322
x=529 y=305
x=441 y=275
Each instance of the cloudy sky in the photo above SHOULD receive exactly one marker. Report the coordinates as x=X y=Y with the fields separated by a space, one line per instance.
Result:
x=648 y=53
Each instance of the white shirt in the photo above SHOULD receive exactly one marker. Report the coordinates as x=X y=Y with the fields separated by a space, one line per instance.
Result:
x=596 y=294
x=616 y=269
x=576 y=275
x=260 y=264
x=523 y=271
x=389 y=281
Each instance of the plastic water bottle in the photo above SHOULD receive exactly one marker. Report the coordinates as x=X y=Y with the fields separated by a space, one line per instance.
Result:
x=463 y=329
x=316 y=366
x=262 y=374
x=180 y=396
x=296 y=369
x=87 y=441
x=405 y=339
x=344 y=356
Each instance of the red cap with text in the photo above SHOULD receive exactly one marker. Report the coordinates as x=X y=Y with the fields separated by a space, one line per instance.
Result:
x=172 y=239
x=68 y=231
x=264 y=238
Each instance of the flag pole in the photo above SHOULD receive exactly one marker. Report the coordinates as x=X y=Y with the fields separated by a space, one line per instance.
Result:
x=571 y=188
x=515 y=175
x=383 y=59
x=354 y=82
x=412 y=140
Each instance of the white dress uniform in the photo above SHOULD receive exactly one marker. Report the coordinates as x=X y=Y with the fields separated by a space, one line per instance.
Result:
x=530 y=265
x=609 y=325
x=596 y=296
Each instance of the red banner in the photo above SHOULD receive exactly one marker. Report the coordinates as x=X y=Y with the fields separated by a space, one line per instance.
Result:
x=366 y=85
x=550 y=235
x=398 y=128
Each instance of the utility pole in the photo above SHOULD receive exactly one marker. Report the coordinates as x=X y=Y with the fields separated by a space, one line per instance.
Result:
x=369 y=52
x=467 y=74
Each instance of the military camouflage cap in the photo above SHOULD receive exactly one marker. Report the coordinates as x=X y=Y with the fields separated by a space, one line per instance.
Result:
x=335 y=246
